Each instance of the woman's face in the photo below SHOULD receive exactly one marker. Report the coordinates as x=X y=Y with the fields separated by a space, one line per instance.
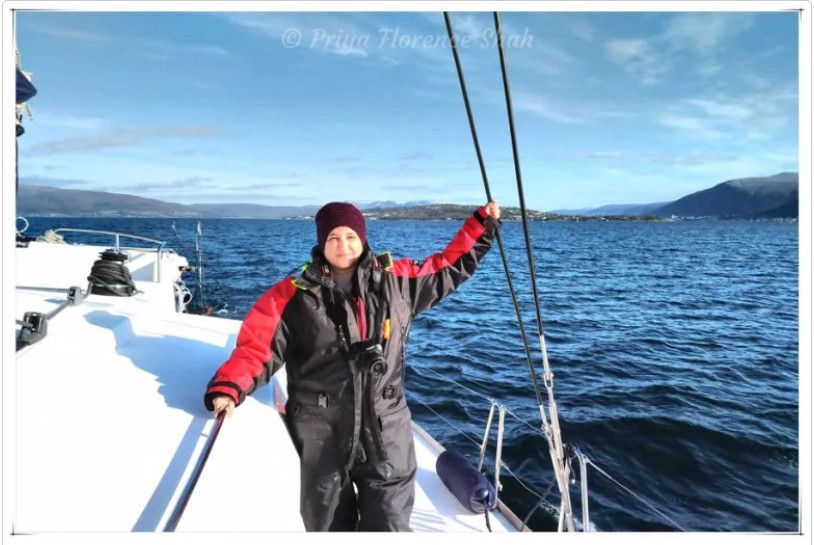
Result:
x=343 y=248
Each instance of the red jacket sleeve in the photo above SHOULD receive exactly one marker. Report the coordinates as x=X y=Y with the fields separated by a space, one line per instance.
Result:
x=260 y=348
x=426 y=283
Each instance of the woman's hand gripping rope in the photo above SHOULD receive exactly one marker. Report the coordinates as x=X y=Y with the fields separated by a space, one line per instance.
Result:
x=223 y=404
x=493 y=209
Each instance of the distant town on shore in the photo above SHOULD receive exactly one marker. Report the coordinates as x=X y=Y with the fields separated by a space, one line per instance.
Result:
x=759 y=197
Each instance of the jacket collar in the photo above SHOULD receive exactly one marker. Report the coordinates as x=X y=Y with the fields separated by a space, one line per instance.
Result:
x=318 y=271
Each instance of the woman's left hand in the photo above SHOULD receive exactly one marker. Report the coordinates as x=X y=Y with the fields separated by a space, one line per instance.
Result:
x=493 y=209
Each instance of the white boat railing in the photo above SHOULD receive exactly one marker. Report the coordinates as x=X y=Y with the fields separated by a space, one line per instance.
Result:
x=117 y=236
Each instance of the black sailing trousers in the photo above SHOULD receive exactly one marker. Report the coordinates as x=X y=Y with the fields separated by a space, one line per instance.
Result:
x=381 y=504
x=382 y=499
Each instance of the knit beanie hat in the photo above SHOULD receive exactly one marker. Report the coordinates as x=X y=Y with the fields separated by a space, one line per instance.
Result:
x=337 y=214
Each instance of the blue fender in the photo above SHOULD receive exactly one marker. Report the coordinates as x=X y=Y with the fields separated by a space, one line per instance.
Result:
x=470 y=487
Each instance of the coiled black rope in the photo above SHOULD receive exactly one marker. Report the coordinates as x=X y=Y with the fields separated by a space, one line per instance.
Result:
x=474 y=132
x=109 y=276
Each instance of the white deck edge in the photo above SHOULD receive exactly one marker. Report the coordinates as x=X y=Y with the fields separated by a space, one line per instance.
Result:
x=502 y=508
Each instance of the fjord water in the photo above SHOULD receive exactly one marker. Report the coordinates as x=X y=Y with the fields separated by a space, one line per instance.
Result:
x=674 y=348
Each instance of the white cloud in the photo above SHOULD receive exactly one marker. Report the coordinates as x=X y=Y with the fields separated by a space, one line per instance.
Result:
x=732 y=112
x=696 y=126
x=158 y=50
x=269 y=185
x=118 y=138
x=629 y=157
x=272 y=25
x=163 y=49
x=68 y=121
x=205 y=49
x=547 y=59
x=51 y=182
x=193 y=182
x=623 y=51
x=758 y=116
x=542 y=107
x=705 y=32
x=74 y=35
x=709 y=68
x=349 y=51
x=637 y=57
x=583 y=30
x=470 y=27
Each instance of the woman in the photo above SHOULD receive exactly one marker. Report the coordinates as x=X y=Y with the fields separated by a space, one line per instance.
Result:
x=341 y=327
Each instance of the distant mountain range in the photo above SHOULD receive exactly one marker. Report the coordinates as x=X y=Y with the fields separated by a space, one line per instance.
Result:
x=746 y=197
x=48 y=201
x=391 y=204
x=768 y=196
x=33 y=200
x=446 y=211
x=771 y=196
x=614 y=210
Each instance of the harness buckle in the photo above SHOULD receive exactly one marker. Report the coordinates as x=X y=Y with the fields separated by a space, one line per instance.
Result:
x=389 y=392
x=323 y=400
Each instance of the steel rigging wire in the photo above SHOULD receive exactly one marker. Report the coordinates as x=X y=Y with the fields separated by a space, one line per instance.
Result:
x=552 y=430
x=475 y=140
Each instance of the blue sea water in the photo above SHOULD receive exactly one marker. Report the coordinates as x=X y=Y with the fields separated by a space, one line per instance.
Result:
x=674 y=348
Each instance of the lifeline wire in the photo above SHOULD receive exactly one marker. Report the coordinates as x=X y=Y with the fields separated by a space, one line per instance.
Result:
x=534 y=428
x=468 y=437
x=526 y=423
x=504 y=465
x=623 y=487
x=537 y=431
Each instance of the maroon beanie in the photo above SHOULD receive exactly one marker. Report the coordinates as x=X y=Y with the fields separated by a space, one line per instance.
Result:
x=337 y=214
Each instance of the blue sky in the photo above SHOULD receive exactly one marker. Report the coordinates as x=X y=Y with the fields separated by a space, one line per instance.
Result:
x=302 y=108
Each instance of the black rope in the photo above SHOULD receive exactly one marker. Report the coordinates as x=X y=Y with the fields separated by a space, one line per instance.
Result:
x=516 y=155
x=503 y=258
x=111 y=278
x=175 y=517
x=488 y=525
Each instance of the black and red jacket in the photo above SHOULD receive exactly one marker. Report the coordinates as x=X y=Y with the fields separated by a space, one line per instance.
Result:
x=307 y=324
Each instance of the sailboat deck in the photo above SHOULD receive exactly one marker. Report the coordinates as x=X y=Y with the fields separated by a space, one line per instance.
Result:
x=110 y=422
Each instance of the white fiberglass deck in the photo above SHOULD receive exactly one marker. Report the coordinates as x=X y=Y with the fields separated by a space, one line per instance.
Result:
x=110 y=422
